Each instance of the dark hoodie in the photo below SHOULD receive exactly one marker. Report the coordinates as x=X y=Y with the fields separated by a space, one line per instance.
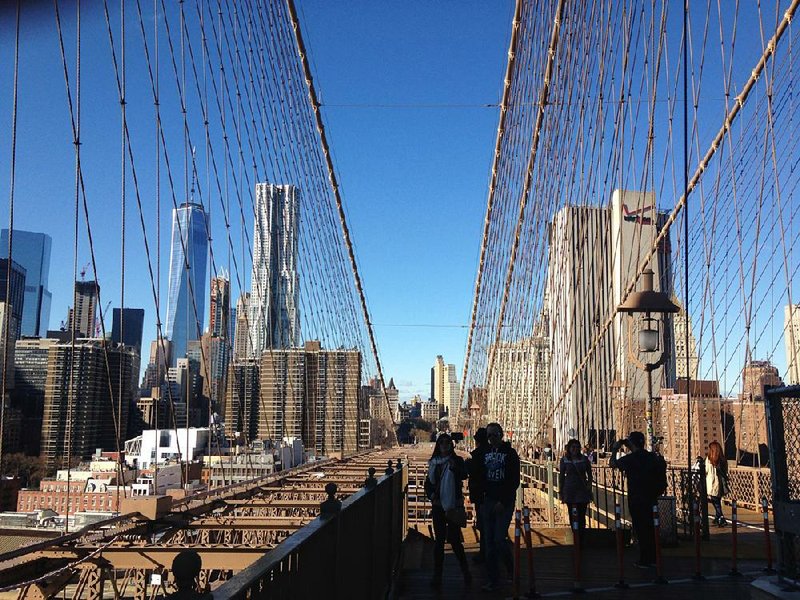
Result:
x=501 y=469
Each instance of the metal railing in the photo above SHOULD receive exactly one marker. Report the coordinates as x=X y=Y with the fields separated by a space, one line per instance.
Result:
x=351 y=550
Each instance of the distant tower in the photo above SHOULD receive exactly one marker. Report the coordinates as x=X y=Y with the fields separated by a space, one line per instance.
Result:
x=32 y=251
x=680 y=324
x=437 y=380
x=241 y=341
x=220 y=305
x=187 y=263
x=86 y=294
x=274 y=318
x=16 y=296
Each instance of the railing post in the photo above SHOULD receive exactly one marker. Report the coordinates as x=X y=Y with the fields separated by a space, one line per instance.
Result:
x=551 y=504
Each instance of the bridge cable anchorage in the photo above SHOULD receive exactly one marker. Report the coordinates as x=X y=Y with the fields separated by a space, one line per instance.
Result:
x=312 y=97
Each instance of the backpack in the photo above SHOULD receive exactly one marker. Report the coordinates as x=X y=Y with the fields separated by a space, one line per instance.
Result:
x=658 y=476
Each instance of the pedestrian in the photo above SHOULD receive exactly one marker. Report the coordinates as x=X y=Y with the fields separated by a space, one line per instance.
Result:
x=443 y=487
x=646 y=475
x=501 y=470
x=716 y=480
x=477 y=487
x=575 y=481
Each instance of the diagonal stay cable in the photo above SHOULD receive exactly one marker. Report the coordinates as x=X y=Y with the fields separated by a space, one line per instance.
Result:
x=312 y=96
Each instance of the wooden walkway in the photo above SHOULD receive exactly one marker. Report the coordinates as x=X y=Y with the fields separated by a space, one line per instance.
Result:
x=553 y=567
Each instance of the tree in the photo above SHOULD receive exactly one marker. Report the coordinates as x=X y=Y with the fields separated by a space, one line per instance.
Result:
x=30 y=469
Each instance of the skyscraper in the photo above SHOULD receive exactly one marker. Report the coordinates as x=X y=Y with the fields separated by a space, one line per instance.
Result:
x=16 y=293
x=791 y=339
x=220 y=305
x=680 y=324
x=241 y=335
x=85 y=311
x=128 y=327
x=445 y=389
x=187 y=277
x=274 y=319
x=594 y=254
x=32 y=251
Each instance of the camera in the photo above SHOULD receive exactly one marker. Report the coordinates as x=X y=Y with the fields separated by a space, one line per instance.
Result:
x=457 y=436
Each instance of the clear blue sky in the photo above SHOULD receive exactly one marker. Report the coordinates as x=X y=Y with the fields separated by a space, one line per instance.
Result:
x=404 y=88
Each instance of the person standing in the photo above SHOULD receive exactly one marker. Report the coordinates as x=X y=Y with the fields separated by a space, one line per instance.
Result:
x=477 y=487
x=716 y=480
x=575 y=481
x=501 y=471
x=646 y=477
x=446 y=471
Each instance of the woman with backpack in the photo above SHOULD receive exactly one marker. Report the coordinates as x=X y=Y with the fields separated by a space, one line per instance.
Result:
x=575 y=481
x=446 y=471
x=716 y=480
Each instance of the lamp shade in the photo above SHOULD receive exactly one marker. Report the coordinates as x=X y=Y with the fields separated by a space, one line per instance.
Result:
x=647 y=300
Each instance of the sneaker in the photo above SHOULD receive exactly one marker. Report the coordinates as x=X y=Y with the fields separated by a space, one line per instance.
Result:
x=643 y=565
x=723 y=522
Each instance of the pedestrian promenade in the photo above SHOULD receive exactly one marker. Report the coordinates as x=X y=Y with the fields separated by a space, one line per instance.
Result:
x=554 y=571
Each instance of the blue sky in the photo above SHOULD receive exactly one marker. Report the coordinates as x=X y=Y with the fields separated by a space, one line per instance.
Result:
x=405 y=89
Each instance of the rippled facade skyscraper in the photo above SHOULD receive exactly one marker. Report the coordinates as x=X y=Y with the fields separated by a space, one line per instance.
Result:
x=274 y=317
x=187 y=265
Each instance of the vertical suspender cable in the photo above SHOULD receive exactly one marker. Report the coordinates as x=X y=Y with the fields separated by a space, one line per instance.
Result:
x=312 y=96
x=123 y=120
x=523 y=201
x=156 y=405
x=686 y=239
x=73 y=321
x=498 y=147
x=7 y=311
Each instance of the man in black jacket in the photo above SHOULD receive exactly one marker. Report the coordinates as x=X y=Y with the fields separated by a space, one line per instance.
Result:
x=646 y=481
x=477 y=486
x=501 y=472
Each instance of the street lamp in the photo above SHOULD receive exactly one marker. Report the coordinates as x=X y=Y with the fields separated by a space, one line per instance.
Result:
x=652 y=335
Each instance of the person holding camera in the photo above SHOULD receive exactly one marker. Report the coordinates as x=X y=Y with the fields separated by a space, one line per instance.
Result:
x=575 y=481
x=446 y=471
x=646 y=474
x=716 y=480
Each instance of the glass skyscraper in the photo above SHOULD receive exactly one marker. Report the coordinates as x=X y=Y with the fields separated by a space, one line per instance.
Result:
x=187 y=262
x=274 y=318
x=32 y=251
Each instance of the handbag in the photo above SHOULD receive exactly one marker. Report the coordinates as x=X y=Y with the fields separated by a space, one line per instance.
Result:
x=457 y=516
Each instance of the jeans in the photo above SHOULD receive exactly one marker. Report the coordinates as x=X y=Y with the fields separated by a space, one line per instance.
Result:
x=495 y=532
x=642 y=518
x=444 y=530
x=479 y=526
x=581 y=509
x=716 y=502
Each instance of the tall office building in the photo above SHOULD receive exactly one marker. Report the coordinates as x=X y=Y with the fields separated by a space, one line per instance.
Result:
x=30 y=377
x=16 y=294
x=85 y=311
x=791 y=339
x=187 y=277
x=32 y=251
x=274 y=317
x=241 y=336
x=437 y=380
x=242 y=404
x=220 y=305
x=519 y=388
x=313 y=394
x=128 y=328
x=79 y=394
x=594 y=254
x=680 y=323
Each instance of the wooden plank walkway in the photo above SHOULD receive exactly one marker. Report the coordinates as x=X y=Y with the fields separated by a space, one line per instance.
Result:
x=553 y=567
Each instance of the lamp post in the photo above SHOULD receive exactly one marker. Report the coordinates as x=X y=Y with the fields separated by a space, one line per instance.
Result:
x=652 y=335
